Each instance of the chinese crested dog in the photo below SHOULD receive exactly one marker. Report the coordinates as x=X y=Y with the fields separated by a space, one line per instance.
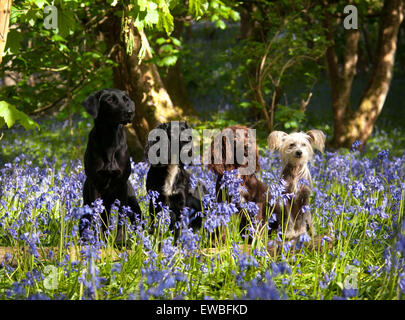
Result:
x=296 y=150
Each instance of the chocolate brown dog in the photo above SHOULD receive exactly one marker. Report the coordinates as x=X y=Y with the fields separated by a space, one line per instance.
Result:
x=106 y=160
x=256 y=190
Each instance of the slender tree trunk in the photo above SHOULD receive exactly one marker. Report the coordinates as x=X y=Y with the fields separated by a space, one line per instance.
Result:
x=341 y=80
x=350 y=126
x=174 y=80
x=251 y=29
x=143 y=83
x=5 y=8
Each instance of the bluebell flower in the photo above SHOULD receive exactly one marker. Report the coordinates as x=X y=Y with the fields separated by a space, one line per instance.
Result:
x=263 y=289
x=219 y=215
x=17 y=292
x=349 y=293
x=38 y=296
x=117 y=267
x=355 y=262
x=402 y=283
x=280 y=268
x=356 y=144
x=232 y=184
x=382 y=155
x=189 y=240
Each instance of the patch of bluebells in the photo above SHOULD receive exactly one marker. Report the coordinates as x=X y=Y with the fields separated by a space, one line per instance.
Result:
x=219 y=215
x=395 y=259
x=233 y=185
x=188 y=239
x=158 y=283
x=90 y=276
x=40 y=193
x=262 y=288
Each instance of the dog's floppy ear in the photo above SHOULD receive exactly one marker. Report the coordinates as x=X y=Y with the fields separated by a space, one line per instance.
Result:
x=275 y=139
x=317 y=139
x=92 y=104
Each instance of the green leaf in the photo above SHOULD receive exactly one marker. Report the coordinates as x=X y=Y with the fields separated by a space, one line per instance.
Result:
x=9 y=115
x=31 y=17
x=166 y=48
x=245 y=104
x=39 y=3
x=165 y=19
x=14 y=15
x=196 y=7
x=176 y=42
x=152 y=17
x=66 y=22
x=57 y=37
x=142 y=5
x=221 y=25
x=14 y=39
x=113 y=3
x=168 y=61
x=160 y=41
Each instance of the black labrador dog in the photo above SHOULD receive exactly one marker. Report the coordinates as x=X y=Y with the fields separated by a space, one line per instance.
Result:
x=168 y=176
x=106 y=160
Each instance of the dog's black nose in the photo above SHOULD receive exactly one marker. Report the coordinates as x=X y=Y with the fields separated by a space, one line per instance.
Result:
x=298 y=153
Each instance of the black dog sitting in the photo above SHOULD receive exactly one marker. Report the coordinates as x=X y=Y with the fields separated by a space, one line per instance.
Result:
x=106 y=160
x=168 y=176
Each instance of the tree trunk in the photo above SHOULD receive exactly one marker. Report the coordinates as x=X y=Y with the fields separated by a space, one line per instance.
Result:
x=174 y=80
x=341 y=80
x=251 y=30
x=5 y=8
x=350 y=126
x=143 y=83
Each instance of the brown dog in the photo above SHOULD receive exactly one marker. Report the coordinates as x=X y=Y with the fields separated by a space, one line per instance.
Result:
x=224 y=148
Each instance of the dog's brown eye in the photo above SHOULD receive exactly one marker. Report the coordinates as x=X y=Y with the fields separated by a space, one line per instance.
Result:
x=292 y=145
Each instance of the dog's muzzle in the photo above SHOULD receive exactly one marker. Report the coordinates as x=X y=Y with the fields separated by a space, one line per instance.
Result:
x=298 y=154
x=127 y=117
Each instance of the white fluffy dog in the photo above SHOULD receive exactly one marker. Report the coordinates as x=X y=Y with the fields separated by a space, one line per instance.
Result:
x=296 y=150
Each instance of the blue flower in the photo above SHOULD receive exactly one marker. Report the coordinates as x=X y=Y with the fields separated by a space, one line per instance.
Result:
x=356 y=144
x=18 y=291
x=402 y=284
x=261 y=289
x=349 y=293
x=280 y=268
x=382 y=155
x=117 y=267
